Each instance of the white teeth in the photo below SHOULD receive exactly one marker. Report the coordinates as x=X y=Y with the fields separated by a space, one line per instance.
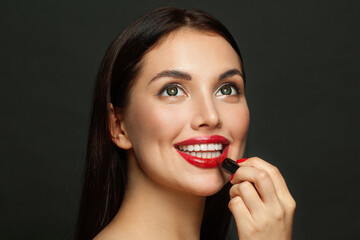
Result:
x=204 y=154
x=203 y=147
x=218 y=146
x=211 y=150
x=211 y=147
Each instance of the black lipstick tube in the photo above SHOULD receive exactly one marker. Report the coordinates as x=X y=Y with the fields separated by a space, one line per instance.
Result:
x=229 y=165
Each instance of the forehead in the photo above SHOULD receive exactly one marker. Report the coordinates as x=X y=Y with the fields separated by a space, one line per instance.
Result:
x=192 y=51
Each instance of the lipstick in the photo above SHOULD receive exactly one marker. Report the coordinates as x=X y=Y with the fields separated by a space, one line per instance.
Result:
x=229 y=165
x=220 y=146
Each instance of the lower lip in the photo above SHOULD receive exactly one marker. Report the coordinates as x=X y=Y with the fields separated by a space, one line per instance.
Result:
x=204 y=162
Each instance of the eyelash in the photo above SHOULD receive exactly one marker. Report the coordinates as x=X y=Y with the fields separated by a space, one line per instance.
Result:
x=161 y=92
x=235 y=86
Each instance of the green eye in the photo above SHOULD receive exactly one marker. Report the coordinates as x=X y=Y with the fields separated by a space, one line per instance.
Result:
x=227 y=89
x=172 y=91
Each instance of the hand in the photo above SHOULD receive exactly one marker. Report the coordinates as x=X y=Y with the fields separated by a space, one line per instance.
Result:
x=260 y=201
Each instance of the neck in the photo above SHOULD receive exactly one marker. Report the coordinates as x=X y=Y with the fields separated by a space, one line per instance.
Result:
x=153 y=211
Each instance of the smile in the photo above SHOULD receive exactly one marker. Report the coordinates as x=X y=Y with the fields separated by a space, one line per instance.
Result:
x=211 y=150
x=204 y=152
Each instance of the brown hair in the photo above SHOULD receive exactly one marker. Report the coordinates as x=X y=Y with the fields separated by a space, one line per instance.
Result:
x=106 y=164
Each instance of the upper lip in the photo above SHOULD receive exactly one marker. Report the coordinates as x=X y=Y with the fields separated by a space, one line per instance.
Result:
x=204 y=140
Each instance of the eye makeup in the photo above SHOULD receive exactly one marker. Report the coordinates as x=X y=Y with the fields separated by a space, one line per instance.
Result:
x=171 y=85
x=233 y=86
x=236 y=83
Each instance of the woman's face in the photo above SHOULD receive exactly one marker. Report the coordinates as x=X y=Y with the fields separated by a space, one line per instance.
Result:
x=189 y=95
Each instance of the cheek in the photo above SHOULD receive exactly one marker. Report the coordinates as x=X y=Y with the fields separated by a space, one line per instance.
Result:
x=236 y=119
x=150 y=120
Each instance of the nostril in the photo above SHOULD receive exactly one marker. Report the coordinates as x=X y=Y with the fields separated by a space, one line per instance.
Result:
x=205 y=114
x=210 y=123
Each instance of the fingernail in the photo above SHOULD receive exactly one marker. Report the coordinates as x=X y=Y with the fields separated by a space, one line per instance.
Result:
x=231 y=178
x=241 y=160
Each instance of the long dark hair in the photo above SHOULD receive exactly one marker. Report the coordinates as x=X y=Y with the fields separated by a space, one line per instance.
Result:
x=106 y=165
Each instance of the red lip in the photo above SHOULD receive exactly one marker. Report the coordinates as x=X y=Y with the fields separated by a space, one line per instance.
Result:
x=205 y=162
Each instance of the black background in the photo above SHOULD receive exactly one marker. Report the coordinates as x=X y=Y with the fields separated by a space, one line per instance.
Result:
x=302 y=64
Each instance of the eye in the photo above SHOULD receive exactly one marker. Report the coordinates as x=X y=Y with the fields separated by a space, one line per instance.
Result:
x=171 y=91
x=227 y=89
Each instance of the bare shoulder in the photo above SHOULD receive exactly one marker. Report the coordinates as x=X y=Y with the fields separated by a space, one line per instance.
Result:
x=114 y=233
x=108 y=234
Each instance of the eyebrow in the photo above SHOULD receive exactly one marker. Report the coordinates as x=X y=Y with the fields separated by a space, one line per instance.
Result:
x=172 y=74
x=230 y=73
x=185 y=76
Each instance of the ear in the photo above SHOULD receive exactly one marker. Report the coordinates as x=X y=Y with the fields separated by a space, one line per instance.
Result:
x=117 y=129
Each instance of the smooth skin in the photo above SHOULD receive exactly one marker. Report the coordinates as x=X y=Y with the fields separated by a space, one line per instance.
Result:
x=165 y=195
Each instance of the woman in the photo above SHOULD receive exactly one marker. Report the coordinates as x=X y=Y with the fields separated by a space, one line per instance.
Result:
x=168 y=107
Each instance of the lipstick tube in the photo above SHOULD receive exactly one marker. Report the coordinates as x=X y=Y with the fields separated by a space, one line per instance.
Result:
x=229 y=165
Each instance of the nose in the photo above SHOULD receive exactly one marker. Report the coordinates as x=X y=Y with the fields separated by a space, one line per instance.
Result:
x=205 y=115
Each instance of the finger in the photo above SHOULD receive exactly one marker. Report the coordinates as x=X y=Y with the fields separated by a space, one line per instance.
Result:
x=249 y=196
x=262 y=181
x=239 y=210
x=275 y=175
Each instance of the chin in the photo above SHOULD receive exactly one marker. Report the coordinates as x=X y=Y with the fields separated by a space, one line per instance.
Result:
x=205 y=188
x=207 y=192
